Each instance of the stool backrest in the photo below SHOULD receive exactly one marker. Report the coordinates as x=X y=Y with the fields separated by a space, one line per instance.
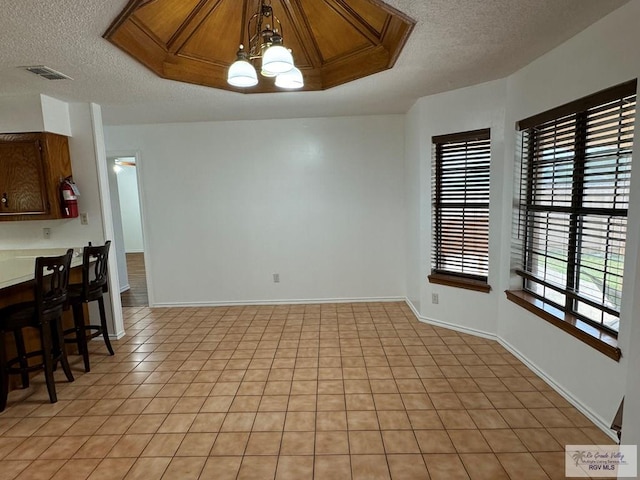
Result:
x=95 y=276
x=52 y=280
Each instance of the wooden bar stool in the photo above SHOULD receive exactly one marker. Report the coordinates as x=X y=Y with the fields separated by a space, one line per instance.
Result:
x=44 y=314
x=93 y=287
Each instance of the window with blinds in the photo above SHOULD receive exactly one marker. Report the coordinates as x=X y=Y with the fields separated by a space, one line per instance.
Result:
x=461 y=205
x=575 y=173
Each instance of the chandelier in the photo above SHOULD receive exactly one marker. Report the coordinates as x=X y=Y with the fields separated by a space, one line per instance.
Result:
x=265 y=43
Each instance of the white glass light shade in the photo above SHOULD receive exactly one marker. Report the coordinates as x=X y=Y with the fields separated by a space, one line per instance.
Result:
x=276 y=59
x=242 y=74
x=291 y=79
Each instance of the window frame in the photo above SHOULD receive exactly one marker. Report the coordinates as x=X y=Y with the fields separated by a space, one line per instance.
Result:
x=440 y=275
x=566 y=316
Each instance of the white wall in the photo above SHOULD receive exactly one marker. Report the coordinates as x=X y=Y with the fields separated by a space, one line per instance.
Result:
x=473 y=108
x=118 y=235
x=602 y=56
x=130 y=209
x=415 y=227
x=226 y=205
x=55 y=115
x=22 y=113
x=631 y=420
x=34 y=113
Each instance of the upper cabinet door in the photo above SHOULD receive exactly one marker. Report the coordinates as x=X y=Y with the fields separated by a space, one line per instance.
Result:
x=32 y=166
x=22 y=179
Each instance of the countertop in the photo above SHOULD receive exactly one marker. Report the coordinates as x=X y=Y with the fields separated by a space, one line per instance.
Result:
x=18 y=266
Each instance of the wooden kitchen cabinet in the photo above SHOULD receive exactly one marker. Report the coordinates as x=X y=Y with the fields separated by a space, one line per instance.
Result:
x=32 y=166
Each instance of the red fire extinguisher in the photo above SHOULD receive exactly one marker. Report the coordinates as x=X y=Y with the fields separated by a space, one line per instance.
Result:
x=69 y=192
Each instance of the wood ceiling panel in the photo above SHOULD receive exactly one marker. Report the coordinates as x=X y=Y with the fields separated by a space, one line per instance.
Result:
x=300 y=24
x=334 y=34
x=373 y=16
x=195 y=41
x=292 y=37
x=216 y=38
x=164 y=17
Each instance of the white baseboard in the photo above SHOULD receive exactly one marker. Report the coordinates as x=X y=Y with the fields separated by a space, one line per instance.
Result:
x=596 y=419
x=279 y=302
x=125 y=288
x=117 y=335
x=450 y=326
x=112 y=336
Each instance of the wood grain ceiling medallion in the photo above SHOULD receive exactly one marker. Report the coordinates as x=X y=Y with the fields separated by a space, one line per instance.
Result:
x=332 y=41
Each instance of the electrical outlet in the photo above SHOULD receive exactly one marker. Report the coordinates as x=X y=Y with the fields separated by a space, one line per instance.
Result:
x=276 y=278
x=46 y=233
x=84 y=219
x=434 y=298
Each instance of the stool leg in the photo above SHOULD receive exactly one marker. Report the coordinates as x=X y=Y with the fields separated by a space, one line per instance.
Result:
x=103 y=325
x=58 y=335
x=22 y=356
x=45 y=336
x=4 y=375
x=81 y=335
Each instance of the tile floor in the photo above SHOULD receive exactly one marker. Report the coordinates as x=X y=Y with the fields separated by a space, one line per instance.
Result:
x=332 y=391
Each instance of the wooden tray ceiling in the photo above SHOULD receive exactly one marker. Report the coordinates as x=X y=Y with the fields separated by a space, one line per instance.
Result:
x=195 y=41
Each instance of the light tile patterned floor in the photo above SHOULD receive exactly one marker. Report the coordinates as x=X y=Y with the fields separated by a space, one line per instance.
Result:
x=332 y=391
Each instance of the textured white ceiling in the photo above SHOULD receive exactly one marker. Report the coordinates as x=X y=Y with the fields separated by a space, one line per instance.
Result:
x=456 y=43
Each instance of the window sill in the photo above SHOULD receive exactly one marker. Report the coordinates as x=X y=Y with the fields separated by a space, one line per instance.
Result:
x=593 y=337
x=459 y=282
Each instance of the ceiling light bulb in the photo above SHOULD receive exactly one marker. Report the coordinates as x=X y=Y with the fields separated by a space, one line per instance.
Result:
x=276 y=60
x=241 y=72
x=291 y=79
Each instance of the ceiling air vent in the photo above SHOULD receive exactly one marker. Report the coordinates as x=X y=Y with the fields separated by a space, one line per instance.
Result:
x=48 y=73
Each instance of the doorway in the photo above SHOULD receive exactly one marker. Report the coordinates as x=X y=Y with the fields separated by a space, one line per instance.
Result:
x=128 y=231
